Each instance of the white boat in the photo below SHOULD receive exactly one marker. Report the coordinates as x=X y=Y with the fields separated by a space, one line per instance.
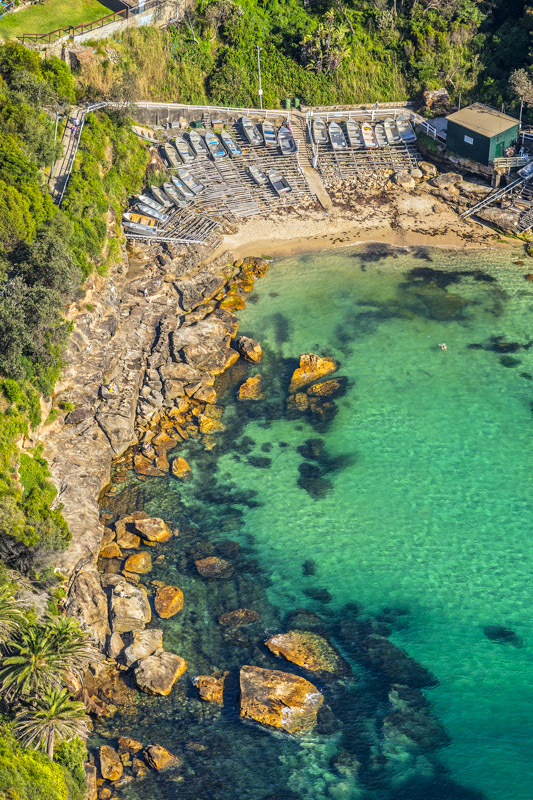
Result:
x=170 y=154
x=405 y=128
x=159 y=195
x=190 y=182
x=186 y=152
x=286 y=142
x=391 y=131
x=135 y=227
x=214 y=146
x=369 y=137
x=258 y=176
x=151 y=212
x=279 y=183
x=355 y=138
x=379 y=132
x=181 y=188
x=150 y=202
x=269 y=134
x=174 y=195
x=320 y=131
x=230 y=144
x=198 y=144
x=337 y=137
x=250 y=131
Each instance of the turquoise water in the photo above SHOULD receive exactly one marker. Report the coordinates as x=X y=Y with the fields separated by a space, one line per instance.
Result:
x=434 y=512
x=419 y=501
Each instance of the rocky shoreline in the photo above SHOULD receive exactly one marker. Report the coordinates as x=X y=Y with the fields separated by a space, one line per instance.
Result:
x=164 y=352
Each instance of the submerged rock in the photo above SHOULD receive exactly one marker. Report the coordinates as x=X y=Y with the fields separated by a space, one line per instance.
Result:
x=311 y=369
x=213 y=567
x=497 y=633
x=168 y=601
x=308 y=650
x=211 y=687
x=332 y=388
x=181 y=469
x=279 y=699
x=239 y=618
x=129 y=744
x=158 y=673
x=251 y=389
x=110 y=763
x=381 y=656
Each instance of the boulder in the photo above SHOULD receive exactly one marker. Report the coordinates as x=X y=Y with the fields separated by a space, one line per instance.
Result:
x=279 y=699
x=153 y=529
x=115 y=645
x=110 y=763
x=308 y=650
x=311 y=369
x=168 y=601
x=429 y=170
x=331 y=388
x=238 y=618
x=437 y=101
x=111 y=550
x=416 y=173
x=144 y=466
x=87 y=602
x=211 y=687
x=129 y=744
x=206 y=394
x=130 y=609
x=251 y=389
x=447 y=180
x=233 y=302
x=127 y=540
x=145 y=643
x=91 y=790
x=214 y=568
x=157 y=757
x=404 y=180
x=504 y=219
x=157 y=674
x=249 y=349
x=138 y=562
x=181 y=469
x=79 y=415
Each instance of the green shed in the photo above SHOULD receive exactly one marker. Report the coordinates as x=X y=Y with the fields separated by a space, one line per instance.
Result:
x=480 y=133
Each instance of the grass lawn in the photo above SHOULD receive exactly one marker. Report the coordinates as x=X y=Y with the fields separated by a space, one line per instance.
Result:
x=50 y=15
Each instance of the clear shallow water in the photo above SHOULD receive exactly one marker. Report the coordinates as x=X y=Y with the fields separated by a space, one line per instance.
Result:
x=427 y=509
x=434 y=513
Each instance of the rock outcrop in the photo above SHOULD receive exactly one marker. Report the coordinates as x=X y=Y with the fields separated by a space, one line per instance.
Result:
x=249 y=349
x=153 y=529
x=158 y=673
x=87 y=602
x=311 y=369
x=130 y=608
x=308 y=650
x=145 y=643
x=211 y=687
x=279 y=699
x=159 y=758
x=251 y=389
x=110 y=763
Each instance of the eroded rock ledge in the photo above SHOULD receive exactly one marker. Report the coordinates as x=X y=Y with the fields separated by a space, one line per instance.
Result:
x=150 y=345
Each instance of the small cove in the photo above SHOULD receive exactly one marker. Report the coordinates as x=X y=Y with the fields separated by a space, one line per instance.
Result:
x=415 y=500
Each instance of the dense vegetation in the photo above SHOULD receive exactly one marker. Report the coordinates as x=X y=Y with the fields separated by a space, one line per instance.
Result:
x=321 y=51
x=45 y=256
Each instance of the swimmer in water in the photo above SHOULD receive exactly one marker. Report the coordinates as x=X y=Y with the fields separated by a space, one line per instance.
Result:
x=443 y=346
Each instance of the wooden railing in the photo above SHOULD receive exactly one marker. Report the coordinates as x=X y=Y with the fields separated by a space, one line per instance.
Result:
x=74 y=30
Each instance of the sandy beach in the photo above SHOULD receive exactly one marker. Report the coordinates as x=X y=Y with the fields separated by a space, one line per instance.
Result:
x=397 y=218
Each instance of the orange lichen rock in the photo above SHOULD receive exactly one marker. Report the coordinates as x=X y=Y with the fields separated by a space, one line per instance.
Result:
x=211 y=687
x=233 y=302
x=139 y=562
x=111 y=550
x=279 y=699
x=329 y=388
x=308 y=650
x=181 y=469
x=168 y=601
x=311 y=369
x=153 y=529
x=251 y=389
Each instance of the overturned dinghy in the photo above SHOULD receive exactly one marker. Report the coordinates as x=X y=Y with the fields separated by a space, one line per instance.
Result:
x=336 y=136
x=286 y=142
x=320 y=131
x=279 y=183
x=197 y=143
x=150 y=212
x=251 y=132
x=146 y=200
x=214 y=146
x=142 y=230
x=229 y=143
x=259 y=177
x=191 y=183
x=269 y=134
x=160 y=196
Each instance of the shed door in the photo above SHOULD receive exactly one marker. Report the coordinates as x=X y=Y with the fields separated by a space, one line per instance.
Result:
x=499 y=150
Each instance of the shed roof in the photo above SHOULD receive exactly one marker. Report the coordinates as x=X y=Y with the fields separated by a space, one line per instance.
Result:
x=483 y=119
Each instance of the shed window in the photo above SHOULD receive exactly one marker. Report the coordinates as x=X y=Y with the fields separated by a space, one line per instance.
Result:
x=469 y=140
